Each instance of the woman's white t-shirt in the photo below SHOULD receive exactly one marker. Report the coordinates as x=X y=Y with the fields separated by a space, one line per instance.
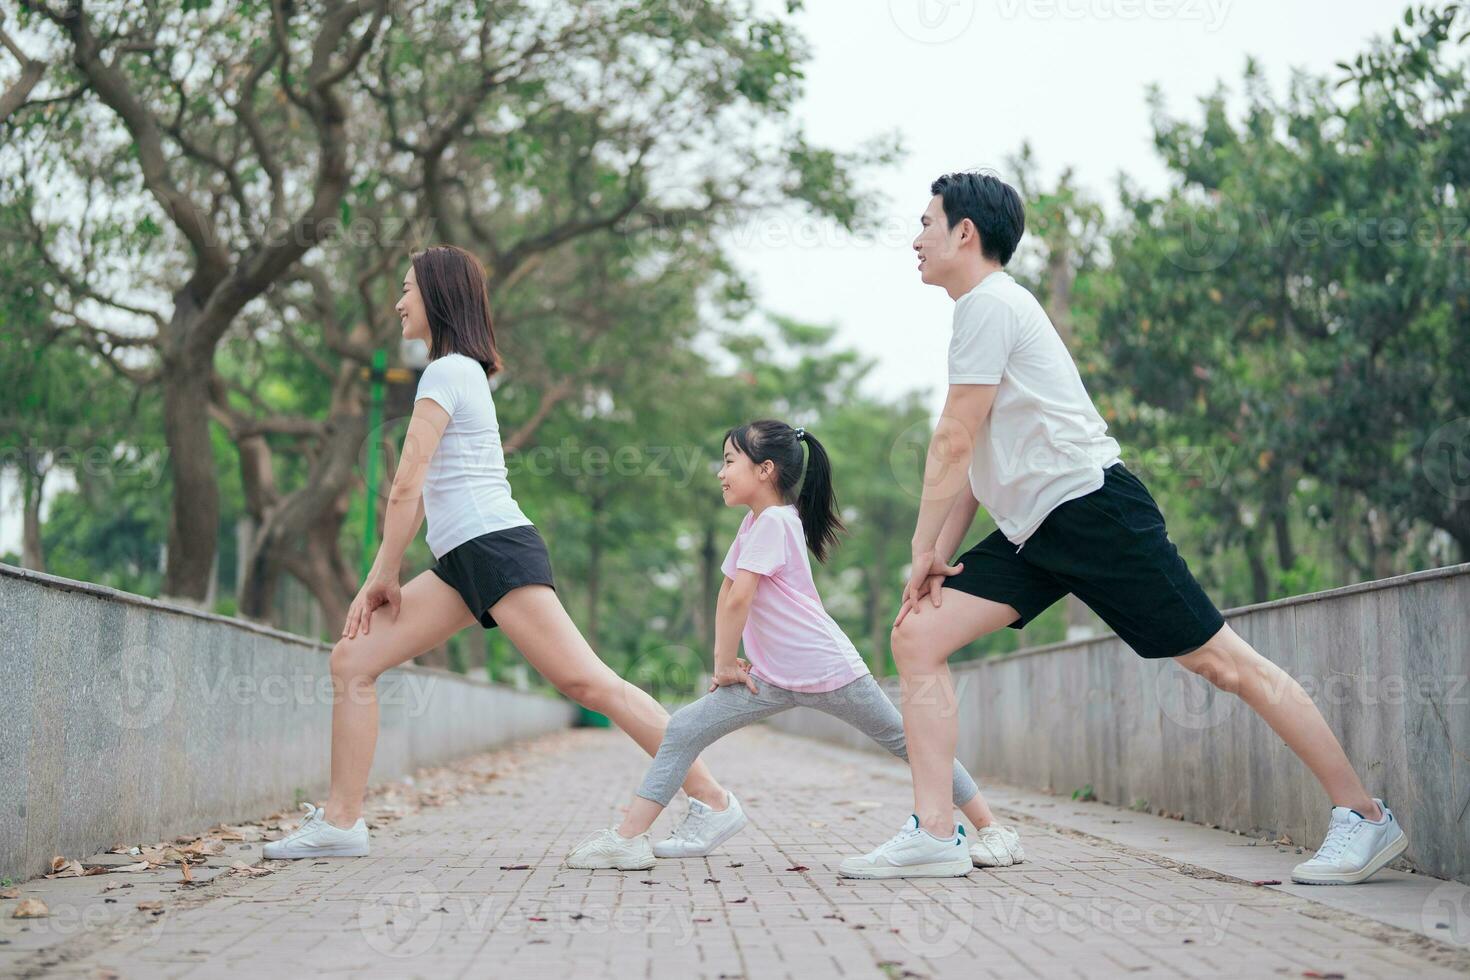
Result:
x=466 y=491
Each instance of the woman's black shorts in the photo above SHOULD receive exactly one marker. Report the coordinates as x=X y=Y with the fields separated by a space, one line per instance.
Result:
x=1110 y=549
x=484 y=569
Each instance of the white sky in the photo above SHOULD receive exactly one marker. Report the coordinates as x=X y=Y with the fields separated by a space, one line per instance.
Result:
x=965 y=82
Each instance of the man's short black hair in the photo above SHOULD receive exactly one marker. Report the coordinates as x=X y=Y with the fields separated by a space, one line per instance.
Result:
x=991 y=203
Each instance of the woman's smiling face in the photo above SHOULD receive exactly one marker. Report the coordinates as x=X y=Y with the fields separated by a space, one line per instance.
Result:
x=410 y=309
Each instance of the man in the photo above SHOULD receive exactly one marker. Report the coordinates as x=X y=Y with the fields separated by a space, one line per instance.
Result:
x=1020 y=435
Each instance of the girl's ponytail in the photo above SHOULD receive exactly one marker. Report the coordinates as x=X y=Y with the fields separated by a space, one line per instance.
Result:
x=768 y=439
x=817 y=503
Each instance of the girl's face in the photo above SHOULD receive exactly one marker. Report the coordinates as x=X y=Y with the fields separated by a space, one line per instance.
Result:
x=741 y=480
x=410 y=309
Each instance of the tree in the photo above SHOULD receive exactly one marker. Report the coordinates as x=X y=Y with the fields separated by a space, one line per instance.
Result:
x=232 y=192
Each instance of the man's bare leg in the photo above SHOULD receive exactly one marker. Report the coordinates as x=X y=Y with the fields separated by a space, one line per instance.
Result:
x=922 y=645
x=1232 y=665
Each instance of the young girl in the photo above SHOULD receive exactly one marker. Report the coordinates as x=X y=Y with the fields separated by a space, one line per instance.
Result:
x=797 y=656
x=492 y=565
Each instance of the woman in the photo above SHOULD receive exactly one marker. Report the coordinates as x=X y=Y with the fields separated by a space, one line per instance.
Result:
x=492 y=565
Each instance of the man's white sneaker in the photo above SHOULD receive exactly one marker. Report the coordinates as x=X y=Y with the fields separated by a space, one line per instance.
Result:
x=996 y=847
x=316 y=838
x=608 y=849
x=1355 y=848
x=913 y=853
x=703 y=829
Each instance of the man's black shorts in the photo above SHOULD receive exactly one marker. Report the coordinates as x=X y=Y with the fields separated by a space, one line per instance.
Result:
x=1110 y=549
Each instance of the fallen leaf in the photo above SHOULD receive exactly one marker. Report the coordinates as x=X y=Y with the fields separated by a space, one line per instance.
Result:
x=149 y=906
x=535 y=918
x=798 y=867
x=31 y=908
x=515 y=867
x=1266 y=881
x=703 y=920
x=127 y=868
x=188 y=876
x=711 y=881
x=240 y=867
x=10 y=893
x=63 y=868
x=737 y=901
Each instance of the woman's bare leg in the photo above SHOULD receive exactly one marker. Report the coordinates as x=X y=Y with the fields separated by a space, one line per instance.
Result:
x=429 y=614
x=533 y=619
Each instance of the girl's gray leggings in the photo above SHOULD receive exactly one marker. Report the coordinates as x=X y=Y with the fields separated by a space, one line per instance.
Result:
x=862 y=704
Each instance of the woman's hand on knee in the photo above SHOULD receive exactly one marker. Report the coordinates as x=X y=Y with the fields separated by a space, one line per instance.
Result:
x=375 y=592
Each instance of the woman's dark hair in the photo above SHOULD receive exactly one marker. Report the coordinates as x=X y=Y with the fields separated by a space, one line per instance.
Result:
x=989 y=202
x=457 y=303
x=768 y=439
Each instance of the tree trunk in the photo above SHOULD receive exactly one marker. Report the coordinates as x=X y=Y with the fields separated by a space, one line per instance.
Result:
x=33 y=482
x=302 y=531
x=594 y=569
x=1281 y=521
x=1260 y=578
x=705 y=614
x=878 y=586
x=194 y=513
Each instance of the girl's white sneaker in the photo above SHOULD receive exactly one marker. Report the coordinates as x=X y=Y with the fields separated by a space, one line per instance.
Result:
x=703 y=829
x=996 y=847
x=316 y=838
x=607 y=849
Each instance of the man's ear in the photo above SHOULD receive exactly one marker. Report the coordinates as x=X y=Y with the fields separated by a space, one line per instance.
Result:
x=968 y=231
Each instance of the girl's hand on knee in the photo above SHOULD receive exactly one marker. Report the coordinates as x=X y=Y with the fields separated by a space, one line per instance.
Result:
x=736 y=673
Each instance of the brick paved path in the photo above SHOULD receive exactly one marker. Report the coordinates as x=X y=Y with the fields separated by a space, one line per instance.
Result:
x=443 y=896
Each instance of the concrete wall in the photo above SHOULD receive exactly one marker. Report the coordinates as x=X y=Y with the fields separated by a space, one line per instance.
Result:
x=126 y=720
x=1387 y=662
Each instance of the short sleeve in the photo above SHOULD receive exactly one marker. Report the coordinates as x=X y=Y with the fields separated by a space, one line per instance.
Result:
x=985 y=332
x=441 y=382
x=764 y=549
x=731 y=557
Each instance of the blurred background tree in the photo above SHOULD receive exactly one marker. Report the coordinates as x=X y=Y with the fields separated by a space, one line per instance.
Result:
x=207 y=211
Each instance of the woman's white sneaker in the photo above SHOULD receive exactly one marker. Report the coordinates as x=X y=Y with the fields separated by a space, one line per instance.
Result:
x=703 y=829
x=913 y=853
x=316 y=838
x=1355 y=849
x=608 y=849
x=996 y=847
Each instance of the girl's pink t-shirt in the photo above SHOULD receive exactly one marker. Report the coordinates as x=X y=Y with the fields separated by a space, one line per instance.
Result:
x=790 y=640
